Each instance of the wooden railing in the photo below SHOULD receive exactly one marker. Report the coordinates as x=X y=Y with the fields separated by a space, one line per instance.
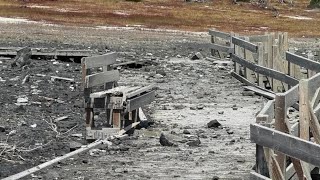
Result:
x=284 y=149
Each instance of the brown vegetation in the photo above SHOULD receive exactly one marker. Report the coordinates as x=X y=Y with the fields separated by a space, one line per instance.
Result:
x=173 y=14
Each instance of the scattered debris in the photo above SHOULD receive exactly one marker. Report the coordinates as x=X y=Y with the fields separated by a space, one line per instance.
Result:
x=22 y=58
x=61 y=118
x=194 y=143
x=57 y=78
x=197 y=56
x=33 y=125
x=23 y=100
x=213 y=124
x=26 y=79
x=51 y=99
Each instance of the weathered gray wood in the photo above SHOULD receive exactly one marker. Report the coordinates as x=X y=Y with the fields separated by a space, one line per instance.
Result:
x=139 y=91
x=245 y=44
x=268 y=109
x=100 y=61
x=266 y=71
x=313 y=84
x=256 y=176
x=101 y=78
x=292 y=96
x=221 y=48
x=316 y=98
x=302 y=61
x=285 y=143
x=258 y=38
x=248 y=83
x=140 y=101
x=220 y=34
x=261 y=92
x=281 y=125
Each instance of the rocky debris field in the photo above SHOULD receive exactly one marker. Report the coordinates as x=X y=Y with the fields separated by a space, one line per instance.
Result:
x=200 y=117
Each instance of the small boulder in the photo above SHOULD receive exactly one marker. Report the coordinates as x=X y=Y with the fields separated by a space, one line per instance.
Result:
x=213 y=124
x=73 y=145
x=194 y=143
x=186 y=131
x=164 y=141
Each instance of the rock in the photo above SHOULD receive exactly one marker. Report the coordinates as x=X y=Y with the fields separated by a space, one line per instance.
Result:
x=213 y=124
x=200 y=106
x=22 y=101
x=22 y=58
x=162 y=72
x=179 y=56
x=193 y=108
x=221 y=112
x=203 y=136
x=164 y=141
x=73 y=145
x=149 y=54
x=2 y=129
x=194 y=143
x=158 y=76
x=186 y=131
x=215 y=178
x=197 y=56
x=229 y=131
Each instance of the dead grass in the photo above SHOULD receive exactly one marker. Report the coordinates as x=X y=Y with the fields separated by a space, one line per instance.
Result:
x=173 y=14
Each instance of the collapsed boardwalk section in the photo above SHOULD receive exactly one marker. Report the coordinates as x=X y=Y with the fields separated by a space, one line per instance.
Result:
x=284 y=150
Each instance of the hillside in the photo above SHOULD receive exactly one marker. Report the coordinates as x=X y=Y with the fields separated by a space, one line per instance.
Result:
x=224 y=15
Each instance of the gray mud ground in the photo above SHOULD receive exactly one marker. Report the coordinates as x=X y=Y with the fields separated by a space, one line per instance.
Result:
x=190 y=94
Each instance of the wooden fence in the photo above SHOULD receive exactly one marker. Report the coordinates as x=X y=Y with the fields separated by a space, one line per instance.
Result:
x=284 y=149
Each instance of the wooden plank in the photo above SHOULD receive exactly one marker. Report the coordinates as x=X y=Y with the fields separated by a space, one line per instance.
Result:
x=261 y=157
x=101 y=78
x=278 y=66
x=257 y=176
x=268 y=47
x=246 y=82
x=249 y=74
x=265 y=71
x=258 y=38
x=220 y=34
x=314 y=125
x=116 y=117
x=304 y=114
x=316 y=98
x=292 y=96
x=303 y=62
x=281 y=125
x=285 y=143
x=276 y=169
x=268 y=110
x=140 y=90
x=261 y=63
x=141 y=115
x=221 y=48
x=260 y=92
x=313 y=84
x=100 y=61
x=140 y=101
x=245 y=44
